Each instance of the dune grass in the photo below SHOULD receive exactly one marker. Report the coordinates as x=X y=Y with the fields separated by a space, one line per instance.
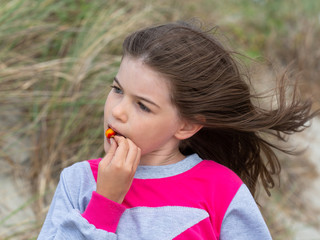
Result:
x=57 y=59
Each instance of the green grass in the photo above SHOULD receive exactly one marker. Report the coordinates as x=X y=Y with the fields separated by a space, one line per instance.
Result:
x=57 y=59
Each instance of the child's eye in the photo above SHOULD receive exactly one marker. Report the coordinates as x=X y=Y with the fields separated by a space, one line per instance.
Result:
x=143 y=107
x=116 y=89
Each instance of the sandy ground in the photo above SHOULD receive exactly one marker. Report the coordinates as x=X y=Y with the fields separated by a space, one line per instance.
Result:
x=310 y=138
x=16 y=214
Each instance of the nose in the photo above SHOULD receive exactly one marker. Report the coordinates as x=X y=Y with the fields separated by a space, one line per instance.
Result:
x=120 y=110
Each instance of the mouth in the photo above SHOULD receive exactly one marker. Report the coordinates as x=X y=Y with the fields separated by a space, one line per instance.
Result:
x=115 y=131
x=112 y=133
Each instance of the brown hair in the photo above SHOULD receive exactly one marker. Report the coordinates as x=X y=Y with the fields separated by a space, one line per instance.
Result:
x=208 y=88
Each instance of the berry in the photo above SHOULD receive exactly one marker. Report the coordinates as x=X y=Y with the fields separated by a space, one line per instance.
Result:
x=110 y=133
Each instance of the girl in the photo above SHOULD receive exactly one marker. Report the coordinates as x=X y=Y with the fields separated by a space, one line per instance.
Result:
x=177 y=100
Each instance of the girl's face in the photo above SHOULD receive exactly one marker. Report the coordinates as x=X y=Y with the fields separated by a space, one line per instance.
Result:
x=139 y=108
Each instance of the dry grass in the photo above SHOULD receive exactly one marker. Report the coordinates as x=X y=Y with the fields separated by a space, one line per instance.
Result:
x=57 y=59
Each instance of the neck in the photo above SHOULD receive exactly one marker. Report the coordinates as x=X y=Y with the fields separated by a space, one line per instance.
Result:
x=159 y=158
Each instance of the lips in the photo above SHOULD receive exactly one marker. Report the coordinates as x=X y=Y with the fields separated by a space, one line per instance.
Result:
x=117 y=133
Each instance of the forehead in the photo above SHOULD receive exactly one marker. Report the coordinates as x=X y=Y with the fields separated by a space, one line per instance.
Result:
x=139 y=79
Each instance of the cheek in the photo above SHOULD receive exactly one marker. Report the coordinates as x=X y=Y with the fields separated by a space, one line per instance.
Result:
x=107 y=107
x=107 y=103
x=105 y=123
x=150 y=138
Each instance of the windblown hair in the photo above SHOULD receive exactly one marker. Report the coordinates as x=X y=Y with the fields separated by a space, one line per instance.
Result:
x=208 y=88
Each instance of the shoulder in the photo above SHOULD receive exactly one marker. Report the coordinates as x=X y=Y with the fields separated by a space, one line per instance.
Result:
x=75 y=188
x=78 y=167
x=77 y=173
x=77 y=181
x=221 y=184
x=218 y=174
x=220 y=180
x=243 y=219
x=224 y=184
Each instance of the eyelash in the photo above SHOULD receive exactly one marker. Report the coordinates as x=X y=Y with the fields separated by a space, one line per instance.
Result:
x=143 y=107
x=118 y=90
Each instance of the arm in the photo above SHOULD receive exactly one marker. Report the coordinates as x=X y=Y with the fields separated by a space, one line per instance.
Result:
x=101 y=216
x=64 y=220
x=243 y=219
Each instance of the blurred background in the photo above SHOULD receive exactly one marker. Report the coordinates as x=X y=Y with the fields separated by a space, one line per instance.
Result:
x=57 y=59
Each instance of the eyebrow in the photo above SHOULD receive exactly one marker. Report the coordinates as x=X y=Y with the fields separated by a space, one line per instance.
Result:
x=142 y=98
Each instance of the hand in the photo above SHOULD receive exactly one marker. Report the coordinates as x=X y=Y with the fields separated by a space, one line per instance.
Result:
x=116 y=170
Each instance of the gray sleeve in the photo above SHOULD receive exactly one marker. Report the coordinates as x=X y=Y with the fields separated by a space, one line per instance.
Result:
x=64 y=220
x=243 y=220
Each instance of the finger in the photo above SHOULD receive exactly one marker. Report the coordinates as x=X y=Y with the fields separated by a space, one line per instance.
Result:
x=132 y=153
x=110 y=154
x=133 y=158
x=122 y=150
x=137 y=160
x=112 y=148
x=117 y=138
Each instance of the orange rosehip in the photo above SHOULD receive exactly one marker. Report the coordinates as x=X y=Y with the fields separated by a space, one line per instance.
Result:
x=110 y=133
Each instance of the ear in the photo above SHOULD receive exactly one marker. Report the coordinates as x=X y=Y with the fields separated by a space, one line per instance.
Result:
x=187 y=130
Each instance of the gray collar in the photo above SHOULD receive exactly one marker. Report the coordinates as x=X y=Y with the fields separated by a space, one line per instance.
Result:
x=154 y=172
